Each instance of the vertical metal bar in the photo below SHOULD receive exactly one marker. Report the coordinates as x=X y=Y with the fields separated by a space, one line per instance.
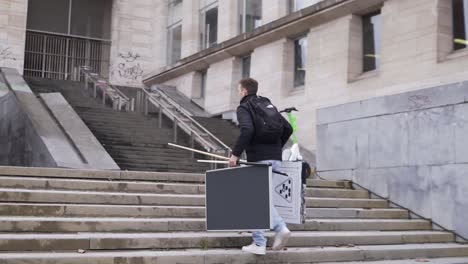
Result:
x=67 y=46
x=87 y=53
x=43 y=56
x=103 y=97
x=95 y=92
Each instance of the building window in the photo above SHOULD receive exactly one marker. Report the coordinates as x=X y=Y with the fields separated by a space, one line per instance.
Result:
x=296 y=5
x=300 y=55
x=174 y=31
x=250 y=15
x=460 y=23
x=203 y=84
x=209 y=23
x=84 y=18
x=372 y=28
x=246 y=66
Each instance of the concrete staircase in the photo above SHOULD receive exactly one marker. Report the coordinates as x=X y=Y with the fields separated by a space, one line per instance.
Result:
x=76 y=216
x=133 y=140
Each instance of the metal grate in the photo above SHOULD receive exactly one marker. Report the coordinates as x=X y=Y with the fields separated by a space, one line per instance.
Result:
x=55 y=56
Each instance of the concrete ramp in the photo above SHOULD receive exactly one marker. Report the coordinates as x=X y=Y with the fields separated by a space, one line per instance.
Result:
x=31 y=136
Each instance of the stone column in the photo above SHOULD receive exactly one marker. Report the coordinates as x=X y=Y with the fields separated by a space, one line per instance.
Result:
x=13 y=15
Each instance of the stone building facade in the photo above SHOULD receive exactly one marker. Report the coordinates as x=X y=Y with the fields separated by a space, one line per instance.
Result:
x=202 y=48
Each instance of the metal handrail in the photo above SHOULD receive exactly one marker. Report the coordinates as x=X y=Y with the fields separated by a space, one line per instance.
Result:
x=188 y=115
x=118 y=100
x=218 y=144
x=165 y=105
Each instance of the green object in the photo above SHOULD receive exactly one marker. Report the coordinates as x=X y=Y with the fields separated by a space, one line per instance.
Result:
x=292 y=121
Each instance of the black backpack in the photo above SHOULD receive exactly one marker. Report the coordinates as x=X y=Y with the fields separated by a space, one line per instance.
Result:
x=268 y=122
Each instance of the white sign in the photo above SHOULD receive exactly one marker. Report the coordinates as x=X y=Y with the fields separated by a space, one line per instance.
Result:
x=287 y=191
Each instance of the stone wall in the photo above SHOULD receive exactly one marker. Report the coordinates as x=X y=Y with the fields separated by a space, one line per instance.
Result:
x=138 y=40
x=411 y=148
x=12 y=33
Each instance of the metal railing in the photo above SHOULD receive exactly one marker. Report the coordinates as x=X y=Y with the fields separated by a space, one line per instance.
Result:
x=182 y=119
x=119 y=101
x=59 y=56
x=156 y=99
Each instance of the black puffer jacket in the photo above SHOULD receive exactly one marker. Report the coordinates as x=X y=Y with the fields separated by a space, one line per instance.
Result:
x=247 y=141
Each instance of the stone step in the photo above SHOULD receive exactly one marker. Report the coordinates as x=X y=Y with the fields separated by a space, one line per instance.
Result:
x=163 y=167
x=91 y=197
x=360 y=213
x=337 y=193
x=328 y=184
x=114 y=210
x=460 y=260
x=162 y=161
x=117 y=154
x=98 y=210
x=185 y=240
x=107 y=121
x=212 y=256
x=160 y=188
x=100 y=185
x=130 y=224
x=102 y=174
x=346 y=203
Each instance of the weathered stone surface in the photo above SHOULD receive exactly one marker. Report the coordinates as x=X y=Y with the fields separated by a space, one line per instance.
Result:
x=93 y=153
x=416 y=148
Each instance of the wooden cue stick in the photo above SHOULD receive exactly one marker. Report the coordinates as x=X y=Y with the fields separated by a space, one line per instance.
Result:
x=199 y=151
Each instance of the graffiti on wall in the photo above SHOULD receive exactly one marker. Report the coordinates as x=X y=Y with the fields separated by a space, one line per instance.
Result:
x=6 y=54
x=128 y=66
x=418 y=101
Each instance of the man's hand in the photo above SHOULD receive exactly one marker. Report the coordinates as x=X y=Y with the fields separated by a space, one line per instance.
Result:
x=233 y=161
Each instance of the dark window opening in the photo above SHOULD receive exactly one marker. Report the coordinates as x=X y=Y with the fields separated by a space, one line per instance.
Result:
x=371 y=25
x=203 y=84
x=300 y=55
x=209 y=35
x=460 y=24
x=174 y=44
x=84 y=18
x=246 y=67
x=250 y=15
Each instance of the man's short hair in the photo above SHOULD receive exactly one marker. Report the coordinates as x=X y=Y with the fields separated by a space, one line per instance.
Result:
x=251 y=85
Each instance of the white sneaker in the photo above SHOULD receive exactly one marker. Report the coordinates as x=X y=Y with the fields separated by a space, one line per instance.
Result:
x=281 y=239
x=254 y=249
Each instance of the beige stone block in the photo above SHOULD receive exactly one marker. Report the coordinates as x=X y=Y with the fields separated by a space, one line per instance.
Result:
x=19 y=7
x=17 y=21
x=141 y=25
x=3 y=20
x=142 y=12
